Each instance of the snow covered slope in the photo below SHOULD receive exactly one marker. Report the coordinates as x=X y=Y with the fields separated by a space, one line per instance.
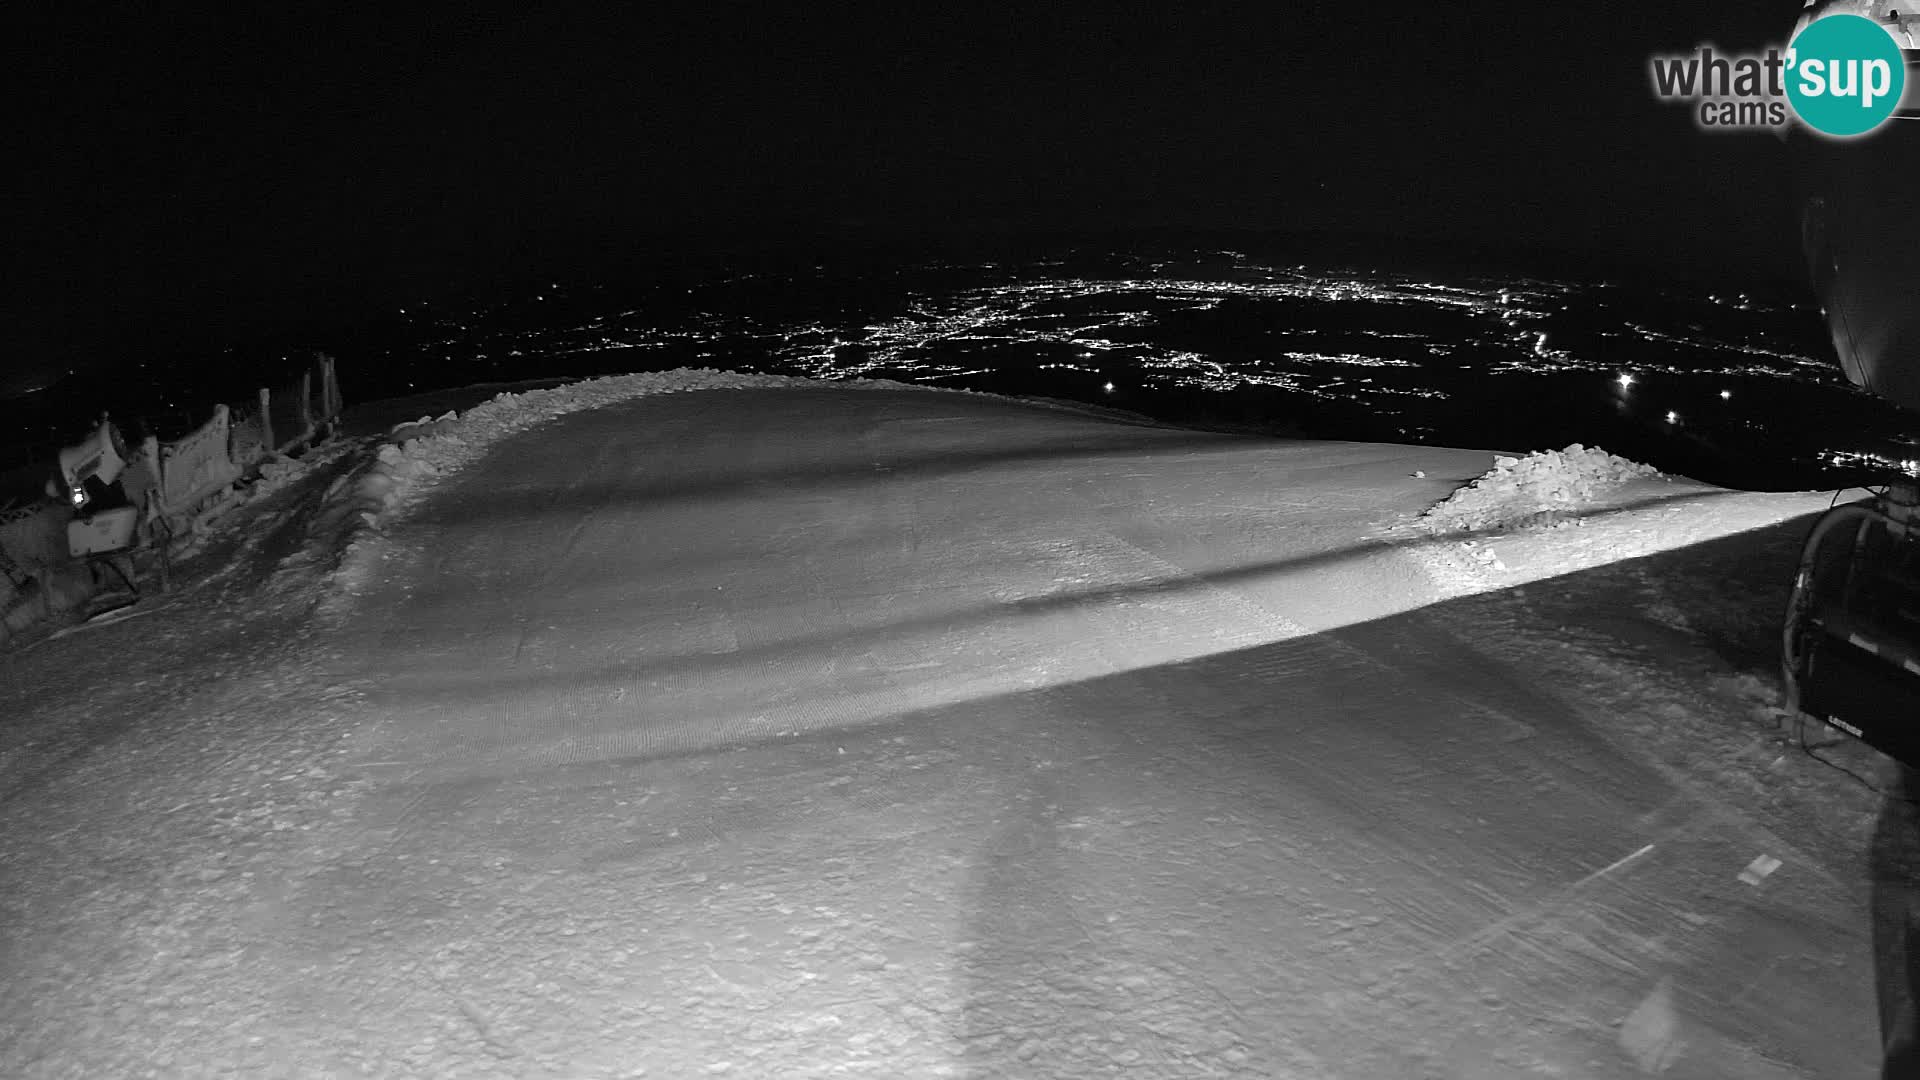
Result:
x=788 y=732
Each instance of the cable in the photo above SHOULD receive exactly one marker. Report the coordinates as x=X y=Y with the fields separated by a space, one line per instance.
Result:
x=1800 y=736
x=1877 y=493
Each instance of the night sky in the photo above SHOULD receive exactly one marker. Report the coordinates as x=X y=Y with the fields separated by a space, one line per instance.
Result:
x=179 y=179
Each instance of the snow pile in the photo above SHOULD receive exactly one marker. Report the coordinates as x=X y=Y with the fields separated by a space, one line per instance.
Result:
x=1548 y=488
x=273 y=473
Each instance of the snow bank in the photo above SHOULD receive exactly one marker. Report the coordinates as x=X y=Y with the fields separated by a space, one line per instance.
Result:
x=196 y=532
x=1546 y=489
x=1515 y=523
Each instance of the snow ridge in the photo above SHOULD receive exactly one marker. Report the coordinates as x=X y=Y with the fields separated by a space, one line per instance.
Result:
x=1545 y=489
x=416 y=456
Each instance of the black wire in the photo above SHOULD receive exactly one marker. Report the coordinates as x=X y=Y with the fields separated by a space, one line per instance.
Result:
x=1880 y=493
x=1800 y=736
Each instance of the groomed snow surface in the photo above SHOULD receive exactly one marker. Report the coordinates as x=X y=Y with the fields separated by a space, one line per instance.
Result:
x=782 y=731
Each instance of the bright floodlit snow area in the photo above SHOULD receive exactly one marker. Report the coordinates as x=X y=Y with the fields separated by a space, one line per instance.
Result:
x=804 y=730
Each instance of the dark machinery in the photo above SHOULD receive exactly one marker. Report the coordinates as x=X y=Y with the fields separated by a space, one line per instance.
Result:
x=109 y=520
x=1852 y=637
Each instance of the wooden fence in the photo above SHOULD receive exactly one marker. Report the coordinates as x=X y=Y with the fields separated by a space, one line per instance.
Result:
x=186 y=477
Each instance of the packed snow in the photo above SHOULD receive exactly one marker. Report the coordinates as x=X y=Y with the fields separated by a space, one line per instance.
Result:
x=776 y=730
x=415 y=454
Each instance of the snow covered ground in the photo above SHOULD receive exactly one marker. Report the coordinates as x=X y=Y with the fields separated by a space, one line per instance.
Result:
x=781 y=730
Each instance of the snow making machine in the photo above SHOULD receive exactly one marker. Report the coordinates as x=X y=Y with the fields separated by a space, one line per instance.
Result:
x=107 y=524
x=1851 y=652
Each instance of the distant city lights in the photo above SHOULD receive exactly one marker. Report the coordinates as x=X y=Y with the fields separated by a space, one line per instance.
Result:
x=1386 y=341
x=1871 y=459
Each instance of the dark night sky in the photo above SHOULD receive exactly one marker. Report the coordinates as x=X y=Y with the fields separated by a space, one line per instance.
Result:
x=182 y=177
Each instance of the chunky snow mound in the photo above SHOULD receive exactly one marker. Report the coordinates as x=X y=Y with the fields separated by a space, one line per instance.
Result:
x=1548 y=488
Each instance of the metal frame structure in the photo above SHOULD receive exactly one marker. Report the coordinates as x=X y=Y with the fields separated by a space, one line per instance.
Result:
x=1850 y=647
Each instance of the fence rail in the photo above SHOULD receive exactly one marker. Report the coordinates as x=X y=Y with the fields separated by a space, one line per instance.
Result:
x=176 y=483
x=199 y=466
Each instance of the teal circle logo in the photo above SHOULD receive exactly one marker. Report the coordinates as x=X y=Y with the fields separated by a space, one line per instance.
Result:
x=1845 y=75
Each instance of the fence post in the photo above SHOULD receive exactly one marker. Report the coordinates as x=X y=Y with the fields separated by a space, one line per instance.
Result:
x=224 y=416
x=153 y=511
x=150 y=450
x=306 y=404
x=160 y=473
x=266 y=421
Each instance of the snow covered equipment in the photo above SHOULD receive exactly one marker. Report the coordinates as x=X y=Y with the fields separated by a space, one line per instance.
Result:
x=106 y=522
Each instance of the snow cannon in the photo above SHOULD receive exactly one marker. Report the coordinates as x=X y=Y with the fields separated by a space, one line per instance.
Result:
x=90 y=479
x=1851 y=644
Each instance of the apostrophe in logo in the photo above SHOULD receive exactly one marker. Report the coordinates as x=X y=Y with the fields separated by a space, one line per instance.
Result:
x=1846 y=75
